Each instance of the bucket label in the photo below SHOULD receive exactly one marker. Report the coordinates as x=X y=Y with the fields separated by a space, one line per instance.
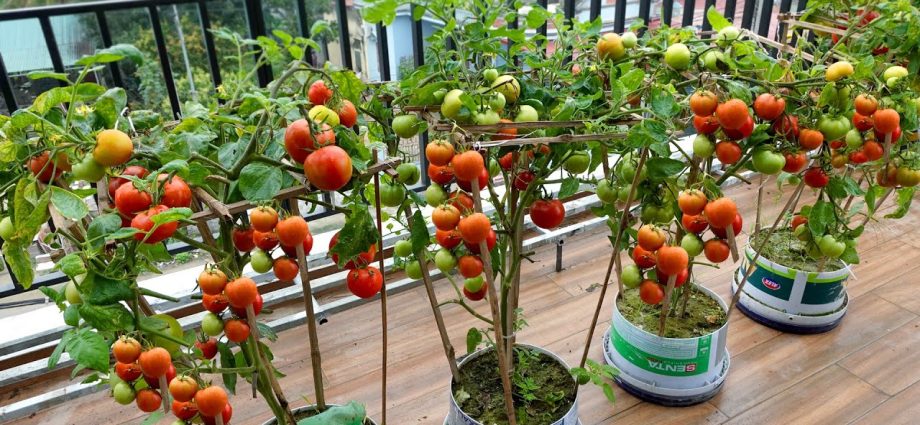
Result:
x=669 y=357
x=822 y=293
x=771 y=283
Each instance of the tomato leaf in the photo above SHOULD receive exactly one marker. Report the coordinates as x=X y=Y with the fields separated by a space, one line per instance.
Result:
x=380 y=11
x=716 y=19
x=661 y=168
x=17 y=256
x=107 y=318
x=663 y=103
x=356 y=236
x=68 y=204
x=101 y=290
x=568 y=187
x=55 y=356
x=259 y=182
x=418 y=231
x=109 y=106
x=170 y=215
x=38 y=75
x=71 y=264
x=113 y=54
x=473 y=339
x=820 y=217
x=153 y=418
x=905 y=196
x=54 y=295
x=850 y=255
x=267 y=331
x=89 y=349
x=227 y=361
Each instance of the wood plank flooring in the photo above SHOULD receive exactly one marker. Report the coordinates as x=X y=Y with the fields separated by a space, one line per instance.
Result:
x=863 y=372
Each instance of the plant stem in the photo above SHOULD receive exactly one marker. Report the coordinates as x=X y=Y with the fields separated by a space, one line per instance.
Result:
x=383 y=297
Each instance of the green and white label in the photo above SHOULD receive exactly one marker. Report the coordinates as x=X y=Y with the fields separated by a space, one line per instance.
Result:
x=669 y=357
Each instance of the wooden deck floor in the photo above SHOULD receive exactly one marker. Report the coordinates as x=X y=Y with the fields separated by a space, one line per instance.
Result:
x=863 y=372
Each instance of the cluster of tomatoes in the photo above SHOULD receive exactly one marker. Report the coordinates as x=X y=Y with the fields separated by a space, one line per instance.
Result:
x=113 y=148
x=363 y=280
x=219 y=293
x=155 y=366
x=720 y=215
x=137 y=207
x=268 y=231
x=311 y=141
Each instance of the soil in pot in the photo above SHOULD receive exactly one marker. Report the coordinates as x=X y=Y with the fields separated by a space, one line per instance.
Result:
x=785 y=249
x=544 y=390
x=704 y=315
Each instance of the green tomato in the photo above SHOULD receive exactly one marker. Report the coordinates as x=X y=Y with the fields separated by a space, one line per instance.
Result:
x=768 y=162
x=677 y=56
x=497 y=102
x=406 y=126
x=439 y=95
x=508 y=86
x=435 y=195
x=692 y=244
x=854 y=139
x=631 y=276
x=6 y=228
x=727 y=35
x=408 y=173
x=486 y=117
x=665 y=214
x=494 y=167
x=445 y=260
x=830 y=247
x=451 y=105
x=629 y=39
x=414 y=270
x=261 y=261
x=626 y=171
x=833 y=128
x=490 y=74
x=403 y=248
x=713 y=60
x=71 y=316
x=474 y=284
x=123 y=393
x=88 y=170
x=802 y=233
x=211 y=324
x=895 y=72
x=392 y=195
x=606 y=192
x=72 y=293
x=527 y=113
x=623 y=193
x=649 y=213
x=577 y=163
x=703 y=147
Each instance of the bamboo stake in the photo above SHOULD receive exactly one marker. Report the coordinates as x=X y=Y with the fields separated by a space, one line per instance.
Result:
x=383 y=298
x=666 y=303
x=315 y=358
x=759 y=203
x=496 y=316
x=269 y=369
x=614 y=258
x=753 y=263
x=164 y=392
x=732 y=244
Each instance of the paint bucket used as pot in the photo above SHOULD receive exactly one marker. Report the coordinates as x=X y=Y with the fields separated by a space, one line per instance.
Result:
x=791 y=300
x=667 y=371
x=457 y=417
x=273 y=421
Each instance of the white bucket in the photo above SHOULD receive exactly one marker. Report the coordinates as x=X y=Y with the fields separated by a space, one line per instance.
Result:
x=668 y=371
x=457 y=417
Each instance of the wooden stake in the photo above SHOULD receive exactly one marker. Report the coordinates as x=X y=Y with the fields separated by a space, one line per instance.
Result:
x=666 y=303
x=269 y=369
x=759 y=204
x=732 y=244
x=315 y=357
x=164 y=393
x=614 y=258
x=383 y=298
x=503 y=368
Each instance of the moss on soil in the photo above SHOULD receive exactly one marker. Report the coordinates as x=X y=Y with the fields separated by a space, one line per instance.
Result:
x=785 y=249
x=704 y=315
x=544 y=390
x=305 y=414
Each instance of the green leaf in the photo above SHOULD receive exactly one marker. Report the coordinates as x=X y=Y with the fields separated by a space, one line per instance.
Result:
x=418 y=232
x=53 y=294
x=17 y=256
x=51 y=98
x=820 y=217
x=663 y=103
x=153 y=418
x=55 y=356
x=349 y=85
x=101 y=290
x=647 y=133
x=356 y=236
x=107 y=318
x=68 y=204
x=905 y=196
x=568 y=187
x=267 y=331
x=661 y=168
x=259 y=182
x=850 y=255
x=89 y=349
x=109 y=106
x=113 y=54
x=716 y=19
x=632 y=79
x=171 y=215
x=38 y=75
x=380 y=11
x=227 y=361
x=473 y=339
x=72 y=265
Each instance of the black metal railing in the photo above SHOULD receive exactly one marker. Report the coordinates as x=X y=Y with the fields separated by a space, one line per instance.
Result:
x=257 y=27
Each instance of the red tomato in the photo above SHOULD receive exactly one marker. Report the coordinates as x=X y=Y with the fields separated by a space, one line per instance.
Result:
x=448 y=239
x=695 y=223
x=131 y=170
x=811 y=139
x=705 y=125
x=491 y=239
x=128 y=372
x=130 y=201
x=768 y=107
x=364 y=258
x=440 y=174
x=716 y=250
x=257 y=305
x=300 y=139
x=862 y=122
x=650 y=292
x=644 y=259
x=795 y=162
x=787 y=126
x=215 y=303
x=858 y=157
x=547 y=213
x=329 y=168
x=816 y=178
x=266 y=241
x=208 y=348
x=142 y=221
x=468 y=165
x=348 y=114
x=728 y=152
x=364 y=282
x=483 y=181
x=737 y=224
x=226 y=414
x=672 y=259
x=523 y=179
x=732 y=114
x=678 y=282
x=242 y=239
x=746 y=129
x=895 y=135
x=176 y=193
x=873 y=150
x=798 y=220
x=291 y=251
x=691 y=202
x=318 y=93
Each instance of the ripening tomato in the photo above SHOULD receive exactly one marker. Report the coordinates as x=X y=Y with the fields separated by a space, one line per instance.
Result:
x=470 y=266
x=129 y=200
x=241 y=292
x=263 y=218
x=285 y=269
x=445 y=217
x=862 y=122
x=291 y=251
x=467 y=165
x=474 y=228
x=716 y=250
x=506 y=133
x=242 y=239
x=732 y=114
x=211 y=400
x=810 y=139
x=745 y=131
x=184 y=410
x=795 y=162
x=691 y=201
x=448 y=239
x=482 y=181
x=695 y=223
x=266 y=241
x=886 y=120
x=865 y=105
x=45 y=170
x=547 y=213
x=506 y=161
x=318 y=94
x=895 y=135
x=887 y=176
x=292 y=230
x=721 y=212
x=364 y=282
x=523 y=179
x=651 y=237
x=643 y=258
x=873 y=150
x=225 y=415
x=461 y=201
x=348 y=114
x=798 y=220
x=787 y=126
x=128 y=372
x=126 y=349
x=679 y=281
x=113 y=147
x=300 y=140
x=215 y=303
x=143 y=222
x=705 y=125
x=476 y=296
x=362 y=259
x=440 y=174
x=212 y=280
x=728 y=152
x=491 y=239
x=155 y=362
x=131 y=170
x=148 y=400
x=672 y=259
x=256 y=308
x=768 y=107
x=329 y=168
x=703 y=103
x=737 y=224
x=650 y=292
x=236 y=330
x=439 y=152
x=816 y=178
x=208 y=348
x=183 y=387
x=176 y=193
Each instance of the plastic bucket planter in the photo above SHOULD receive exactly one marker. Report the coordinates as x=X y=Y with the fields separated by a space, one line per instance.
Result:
x=457 y=417
x=273 y=421
x=792 y=300
x=667 y=371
